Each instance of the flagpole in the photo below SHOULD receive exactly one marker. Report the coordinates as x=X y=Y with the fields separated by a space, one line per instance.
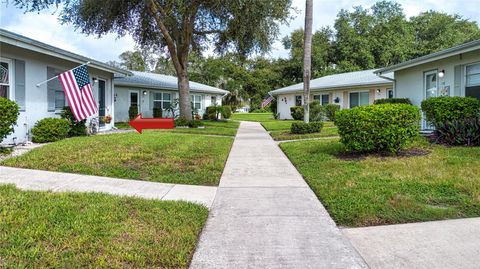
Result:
x=43 y=82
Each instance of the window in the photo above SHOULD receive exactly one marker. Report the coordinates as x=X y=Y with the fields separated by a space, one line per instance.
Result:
x=472 y=87
x=134 y=99
x=56 y=88
x=389 y=93
x=214 y=100
x=359 y=99
x=322 y=99
x=298 y=100
x=162 y=100
x=196 y=101
x=431 y=84
x=5 y=78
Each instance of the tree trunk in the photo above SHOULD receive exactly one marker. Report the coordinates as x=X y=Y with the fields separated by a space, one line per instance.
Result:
x=184 y=95
x=307 y=59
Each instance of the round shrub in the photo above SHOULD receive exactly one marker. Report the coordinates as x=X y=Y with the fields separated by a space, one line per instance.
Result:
x=76 y=128
x=330 y=111
x=439 y=110
x=297 y=112
x=393 y=101
x=306 y=128
x=211 y=113
x=50 y=130
x=226 y=112
x=378 y=128
x=316 y=112
x=9 y=112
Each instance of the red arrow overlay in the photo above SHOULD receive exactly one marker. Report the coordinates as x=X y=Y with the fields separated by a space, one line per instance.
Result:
x=140 y=123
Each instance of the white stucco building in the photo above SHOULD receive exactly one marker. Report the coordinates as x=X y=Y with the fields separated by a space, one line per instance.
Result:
x=27 y=62
x=151 y=90
x=347 y=90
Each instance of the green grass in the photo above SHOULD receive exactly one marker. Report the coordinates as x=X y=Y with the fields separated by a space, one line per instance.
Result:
x=444 y=184
x=286 y=135
x=151 y=156
x=284 y=125
x=259 y=117
x=80 y=230
x=225 y=128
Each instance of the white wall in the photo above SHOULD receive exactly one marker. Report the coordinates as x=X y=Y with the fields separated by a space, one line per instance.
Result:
x=122 y=102
x=409 y=82
x=36 y=102
x=285 y=101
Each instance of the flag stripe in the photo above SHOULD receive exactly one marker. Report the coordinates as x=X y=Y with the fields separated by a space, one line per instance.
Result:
x=80 y=100
x=267 y=101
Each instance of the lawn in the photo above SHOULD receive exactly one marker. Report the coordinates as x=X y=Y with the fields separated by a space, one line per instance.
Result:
x=80 y=230
x=151 y=156
x=280 y=130
x=259 y=117
x=225 y=128
x=444 y=184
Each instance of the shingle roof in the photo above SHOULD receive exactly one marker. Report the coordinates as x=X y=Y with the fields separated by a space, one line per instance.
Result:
x=343 y=80
x=467 y=47
x=159 y=81
x=34 y=45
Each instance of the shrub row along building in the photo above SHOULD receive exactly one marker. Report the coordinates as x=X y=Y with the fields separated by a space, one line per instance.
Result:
x=26 y=62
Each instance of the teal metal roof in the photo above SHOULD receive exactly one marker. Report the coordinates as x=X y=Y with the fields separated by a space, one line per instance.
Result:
x=343 y=80
x=159 y=81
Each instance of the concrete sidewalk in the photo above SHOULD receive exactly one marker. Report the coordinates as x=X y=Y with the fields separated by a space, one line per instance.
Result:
x=265 y=215
x=434 y=244
x=43 y=180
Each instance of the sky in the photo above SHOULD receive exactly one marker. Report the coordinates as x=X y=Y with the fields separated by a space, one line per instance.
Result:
x=44 y=26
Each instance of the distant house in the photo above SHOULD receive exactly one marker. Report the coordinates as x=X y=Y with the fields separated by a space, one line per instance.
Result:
x=347 y=90
x=149 y=90
x=451 y=72
x=27 y=62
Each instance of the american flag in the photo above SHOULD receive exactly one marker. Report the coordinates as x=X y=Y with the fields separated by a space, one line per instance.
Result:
x=267 y=101
x=77 y=89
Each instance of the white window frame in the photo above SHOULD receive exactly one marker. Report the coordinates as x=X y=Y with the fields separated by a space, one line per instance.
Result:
x=295 y=100
x=130 y=98
x=11 y=85
x=464 y=90
x=349 y=98
x=193 y=99
x=424 y=86
x=162 y=99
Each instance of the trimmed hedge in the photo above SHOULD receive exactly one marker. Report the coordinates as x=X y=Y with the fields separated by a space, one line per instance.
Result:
x=297 y=112
x=440 y=110
x=76 y=128
x=157 y=112
x=50 y=130
x=211 y=113
x=464 y=132
x=330 y=111
x=9 y=112
x=226 y=112
x=317 y=112
x=132 y=112
x=378 y=128
x=306 y=128
x=392 y=101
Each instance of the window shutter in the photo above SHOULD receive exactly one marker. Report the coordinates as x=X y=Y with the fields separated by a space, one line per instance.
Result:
x=20 y=84
x=50 y=90
x=457 y=80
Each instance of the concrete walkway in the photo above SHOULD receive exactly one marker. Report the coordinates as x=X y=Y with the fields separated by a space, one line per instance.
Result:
x=434 y=244
x=43 y=180
x=265 y=215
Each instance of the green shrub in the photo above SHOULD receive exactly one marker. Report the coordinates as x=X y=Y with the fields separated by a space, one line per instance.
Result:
x=132 y=112
x=317 y=112
x=50 y=130
x=260 y=110
x=226 y=112
x=188 y=123
x=297 y=112
x=330 y=111
x=273 y=107
x=76 y=128
x=157 y=112
x=378 y=128
x=306 y=128
x=392 y=101
x=9 y=112
x=463 y=132
x=439 y=110
x=214 y=112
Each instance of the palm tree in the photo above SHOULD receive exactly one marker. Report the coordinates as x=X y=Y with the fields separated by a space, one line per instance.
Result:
x=307 y=59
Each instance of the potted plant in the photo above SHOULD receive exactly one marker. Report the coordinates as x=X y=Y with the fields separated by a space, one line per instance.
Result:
x=106 y=119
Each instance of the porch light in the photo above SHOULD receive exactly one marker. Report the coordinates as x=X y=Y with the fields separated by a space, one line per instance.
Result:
x=94 y=80
x=144 y=92
x=441 y=74
x=378 y=90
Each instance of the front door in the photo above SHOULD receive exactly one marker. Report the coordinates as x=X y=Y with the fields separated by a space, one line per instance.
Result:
x=430 y=86
x=101 y=100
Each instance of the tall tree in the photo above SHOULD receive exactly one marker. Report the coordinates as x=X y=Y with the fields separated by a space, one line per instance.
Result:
x=307 y=59
x=178 y=27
